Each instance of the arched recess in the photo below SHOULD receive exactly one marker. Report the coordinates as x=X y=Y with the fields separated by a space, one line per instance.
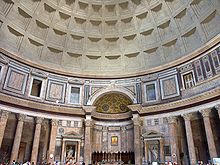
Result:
x=104 y=91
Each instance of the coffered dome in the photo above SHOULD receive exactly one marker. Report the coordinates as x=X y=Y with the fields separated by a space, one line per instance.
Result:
x=106 y=38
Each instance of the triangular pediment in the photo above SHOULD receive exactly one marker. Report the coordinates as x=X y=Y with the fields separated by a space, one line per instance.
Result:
x=152 y=134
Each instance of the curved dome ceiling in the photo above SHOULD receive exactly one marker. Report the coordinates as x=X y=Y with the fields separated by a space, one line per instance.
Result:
x=106 y=37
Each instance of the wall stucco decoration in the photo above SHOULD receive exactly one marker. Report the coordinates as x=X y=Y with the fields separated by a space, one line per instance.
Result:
x=113 y=103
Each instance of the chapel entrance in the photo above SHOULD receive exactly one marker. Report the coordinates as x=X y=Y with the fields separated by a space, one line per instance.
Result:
x=113 y=130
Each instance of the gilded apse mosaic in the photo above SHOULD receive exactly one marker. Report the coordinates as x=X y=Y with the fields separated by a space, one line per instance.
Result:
x=112 y=103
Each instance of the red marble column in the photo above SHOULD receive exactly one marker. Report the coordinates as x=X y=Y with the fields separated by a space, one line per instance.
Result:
x=189 y=136
x=3 y=122
x=209 y=134
x=17 y=138
x=174 y=138
x=52 y=145
x=36 y=141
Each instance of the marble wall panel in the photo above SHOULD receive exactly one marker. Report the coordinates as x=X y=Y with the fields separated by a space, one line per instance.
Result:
x=16 y=80
x=169 y=87
x=56 y=91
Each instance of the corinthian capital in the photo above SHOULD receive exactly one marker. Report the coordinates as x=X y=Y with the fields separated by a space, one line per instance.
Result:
x=187 y=116
x=217 y=107
x=88 y=123
x=39 y=120
x=172 y=119
x=4 y=114
x=205 y=112
x=21 y=117
x=54 y=122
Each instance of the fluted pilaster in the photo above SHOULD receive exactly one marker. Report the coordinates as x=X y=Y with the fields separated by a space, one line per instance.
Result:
x=137 y=139
x=88 y=144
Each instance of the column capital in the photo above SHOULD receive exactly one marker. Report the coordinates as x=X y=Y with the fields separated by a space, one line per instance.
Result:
x=89 y=109
x=136 y=120
x=187 y=116
x=54 y=122
x=172 y=119
x=205 y=112
x=135 y=107
x=88 y=123
x=217 y=107
x=21 y=117
x=39 y=120
x=4 y=114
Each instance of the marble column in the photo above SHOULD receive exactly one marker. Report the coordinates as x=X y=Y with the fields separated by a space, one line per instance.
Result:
x=52 y=145
x=146 y=150
x=36 y=141
x=136 y=109
x=3 y=122
x=46 y=130
x=78 y=150
x=189 y=136
x=137 y=139
x=17 y=138
x=161 y=150
x=209 y=134
x=217 y=107
x=174 y=138
x=88 y=142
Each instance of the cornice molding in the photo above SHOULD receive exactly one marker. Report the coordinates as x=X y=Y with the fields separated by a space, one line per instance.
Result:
x=104 y=116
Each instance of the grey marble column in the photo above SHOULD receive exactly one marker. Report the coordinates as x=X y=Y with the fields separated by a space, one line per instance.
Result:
x=189 y=136
x=209 y=134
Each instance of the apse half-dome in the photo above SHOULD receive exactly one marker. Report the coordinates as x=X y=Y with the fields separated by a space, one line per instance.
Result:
x=113 y=103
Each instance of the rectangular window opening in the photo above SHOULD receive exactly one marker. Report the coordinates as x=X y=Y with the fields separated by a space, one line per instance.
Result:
x=151 y=92
x=74 y=95
x=36 y=88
